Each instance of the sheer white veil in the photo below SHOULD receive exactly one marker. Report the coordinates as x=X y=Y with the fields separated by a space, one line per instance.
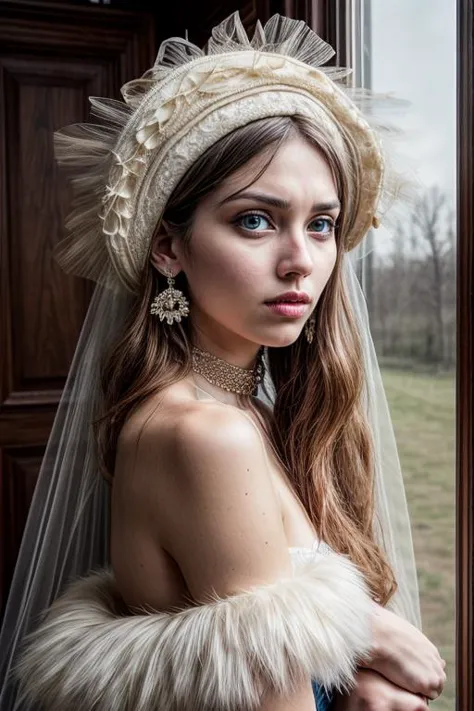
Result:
x=67 y=529
x=391 y=521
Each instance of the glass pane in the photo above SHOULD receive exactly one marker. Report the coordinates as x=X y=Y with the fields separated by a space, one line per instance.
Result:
x=409 y=49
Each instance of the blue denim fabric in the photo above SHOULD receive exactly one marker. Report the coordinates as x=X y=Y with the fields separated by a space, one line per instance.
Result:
x=322 y=699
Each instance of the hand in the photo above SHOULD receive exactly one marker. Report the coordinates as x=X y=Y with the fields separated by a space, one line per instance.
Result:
x=405 y=656
x=375 y=693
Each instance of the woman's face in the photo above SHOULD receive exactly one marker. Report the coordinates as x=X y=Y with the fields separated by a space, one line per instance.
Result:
x=253 y=246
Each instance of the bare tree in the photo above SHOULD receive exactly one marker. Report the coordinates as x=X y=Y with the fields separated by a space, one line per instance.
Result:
x=430 y=217
x=414 y=286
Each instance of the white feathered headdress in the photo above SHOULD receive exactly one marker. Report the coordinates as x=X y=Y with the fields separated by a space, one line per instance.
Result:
x=125 y=170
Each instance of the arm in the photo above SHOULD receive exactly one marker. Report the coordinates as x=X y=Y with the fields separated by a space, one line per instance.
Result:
x=259 y=631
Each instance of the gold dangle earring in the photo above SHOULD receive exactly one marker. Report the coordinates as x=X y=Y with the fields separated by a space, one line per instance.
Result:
x=171 y=304
x=309 y=328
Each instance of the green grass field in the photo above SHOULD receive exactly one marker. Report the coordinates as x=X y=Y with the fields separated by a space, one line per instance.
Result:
x=423 y=413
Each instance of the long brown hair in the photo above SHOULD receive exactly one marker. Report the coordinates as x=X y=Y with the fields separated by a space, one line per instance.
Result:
x=319 y=428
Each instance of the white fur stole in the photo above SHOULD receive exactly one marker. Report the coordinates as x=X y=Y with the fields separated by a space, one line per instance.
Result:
x=90 y=653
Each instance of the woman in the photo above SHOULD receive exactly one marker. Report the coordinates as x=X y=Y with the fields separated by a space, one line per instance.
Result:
x=246 y=570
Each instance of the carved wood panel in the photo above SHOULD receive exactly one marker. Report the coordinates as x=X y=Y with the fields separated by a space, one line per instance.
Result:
x=52 y=58
x=19 y=469
x=47 y=307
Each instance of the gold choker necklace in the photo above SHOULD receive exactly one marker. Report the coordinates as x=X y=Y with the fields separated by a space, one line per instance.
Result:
x=232 y=378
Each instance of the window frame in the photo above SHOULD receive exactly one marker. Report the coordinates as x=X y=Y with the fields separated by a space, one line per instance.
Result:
x=465 y=358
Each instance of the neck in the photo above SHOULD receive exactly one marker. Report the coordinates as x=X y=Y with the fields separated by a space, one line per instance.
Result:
x=222 y=342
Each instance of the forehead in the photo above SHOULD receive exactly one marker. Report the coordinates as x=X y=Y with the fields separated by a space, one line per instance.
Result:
x=297 y=169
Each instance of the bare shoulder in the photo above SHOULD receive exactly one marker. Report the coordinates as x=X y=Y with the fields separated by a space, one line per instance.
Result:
x=173 y=415
x=175 y=429
x=206 y=432
x=206 y=477
x=177 y=443
x=202 y=446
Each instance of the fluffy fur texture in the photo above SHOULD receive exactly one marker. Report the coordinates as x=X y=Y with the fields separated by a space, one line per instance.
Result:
x=91 y=653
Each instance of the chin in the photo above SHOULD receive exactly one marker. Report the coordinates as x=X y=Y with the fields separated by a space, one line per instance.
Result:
x=283 y=337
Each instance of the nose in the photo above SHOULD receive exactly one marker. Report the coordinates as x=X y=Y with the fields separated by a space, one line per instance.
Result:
x=295 y=257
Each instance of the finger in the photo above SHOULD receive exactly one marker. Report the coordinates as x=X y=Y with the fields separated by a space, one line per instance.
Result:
x=433 y=687
x=435 y=693
x=411 y=702
x=441 y=685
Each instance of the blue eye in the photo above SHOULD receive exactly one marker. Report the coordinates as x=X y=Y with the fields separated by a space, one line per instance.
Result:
x=253 y=222
x=323 y=225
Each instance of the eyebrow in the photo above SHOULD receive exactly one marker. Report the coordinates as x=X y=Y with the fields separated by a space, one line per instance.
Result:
x=278 y=202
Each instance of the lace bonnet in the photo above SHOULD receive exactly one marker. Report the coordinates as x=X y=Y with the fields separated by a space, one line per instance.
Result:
x=124 y=170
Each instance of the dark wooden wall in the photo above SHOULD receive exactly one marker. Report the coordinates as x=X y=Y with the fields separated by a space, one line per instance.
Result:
x=52 y=57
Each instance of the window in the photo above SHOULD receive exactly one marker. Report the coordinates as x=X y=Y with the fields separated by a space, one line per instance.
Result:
x=409 y=275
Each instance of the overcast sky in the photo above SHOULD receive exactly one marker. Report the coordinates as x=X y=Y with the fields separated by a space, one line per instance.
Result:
x=414 y=56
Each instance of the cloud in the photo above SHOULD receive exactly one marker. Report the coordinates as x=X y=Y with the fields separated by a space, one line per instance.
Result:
x=414 y=56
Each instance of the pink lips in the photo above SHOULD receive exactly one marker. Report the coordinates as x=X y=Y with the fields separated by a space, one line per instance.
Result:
x=286 y=308
x=292 y=303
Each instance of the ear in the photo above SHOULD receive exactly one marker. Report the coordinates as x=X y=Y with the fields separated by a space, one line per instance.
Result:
x=163 y=256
